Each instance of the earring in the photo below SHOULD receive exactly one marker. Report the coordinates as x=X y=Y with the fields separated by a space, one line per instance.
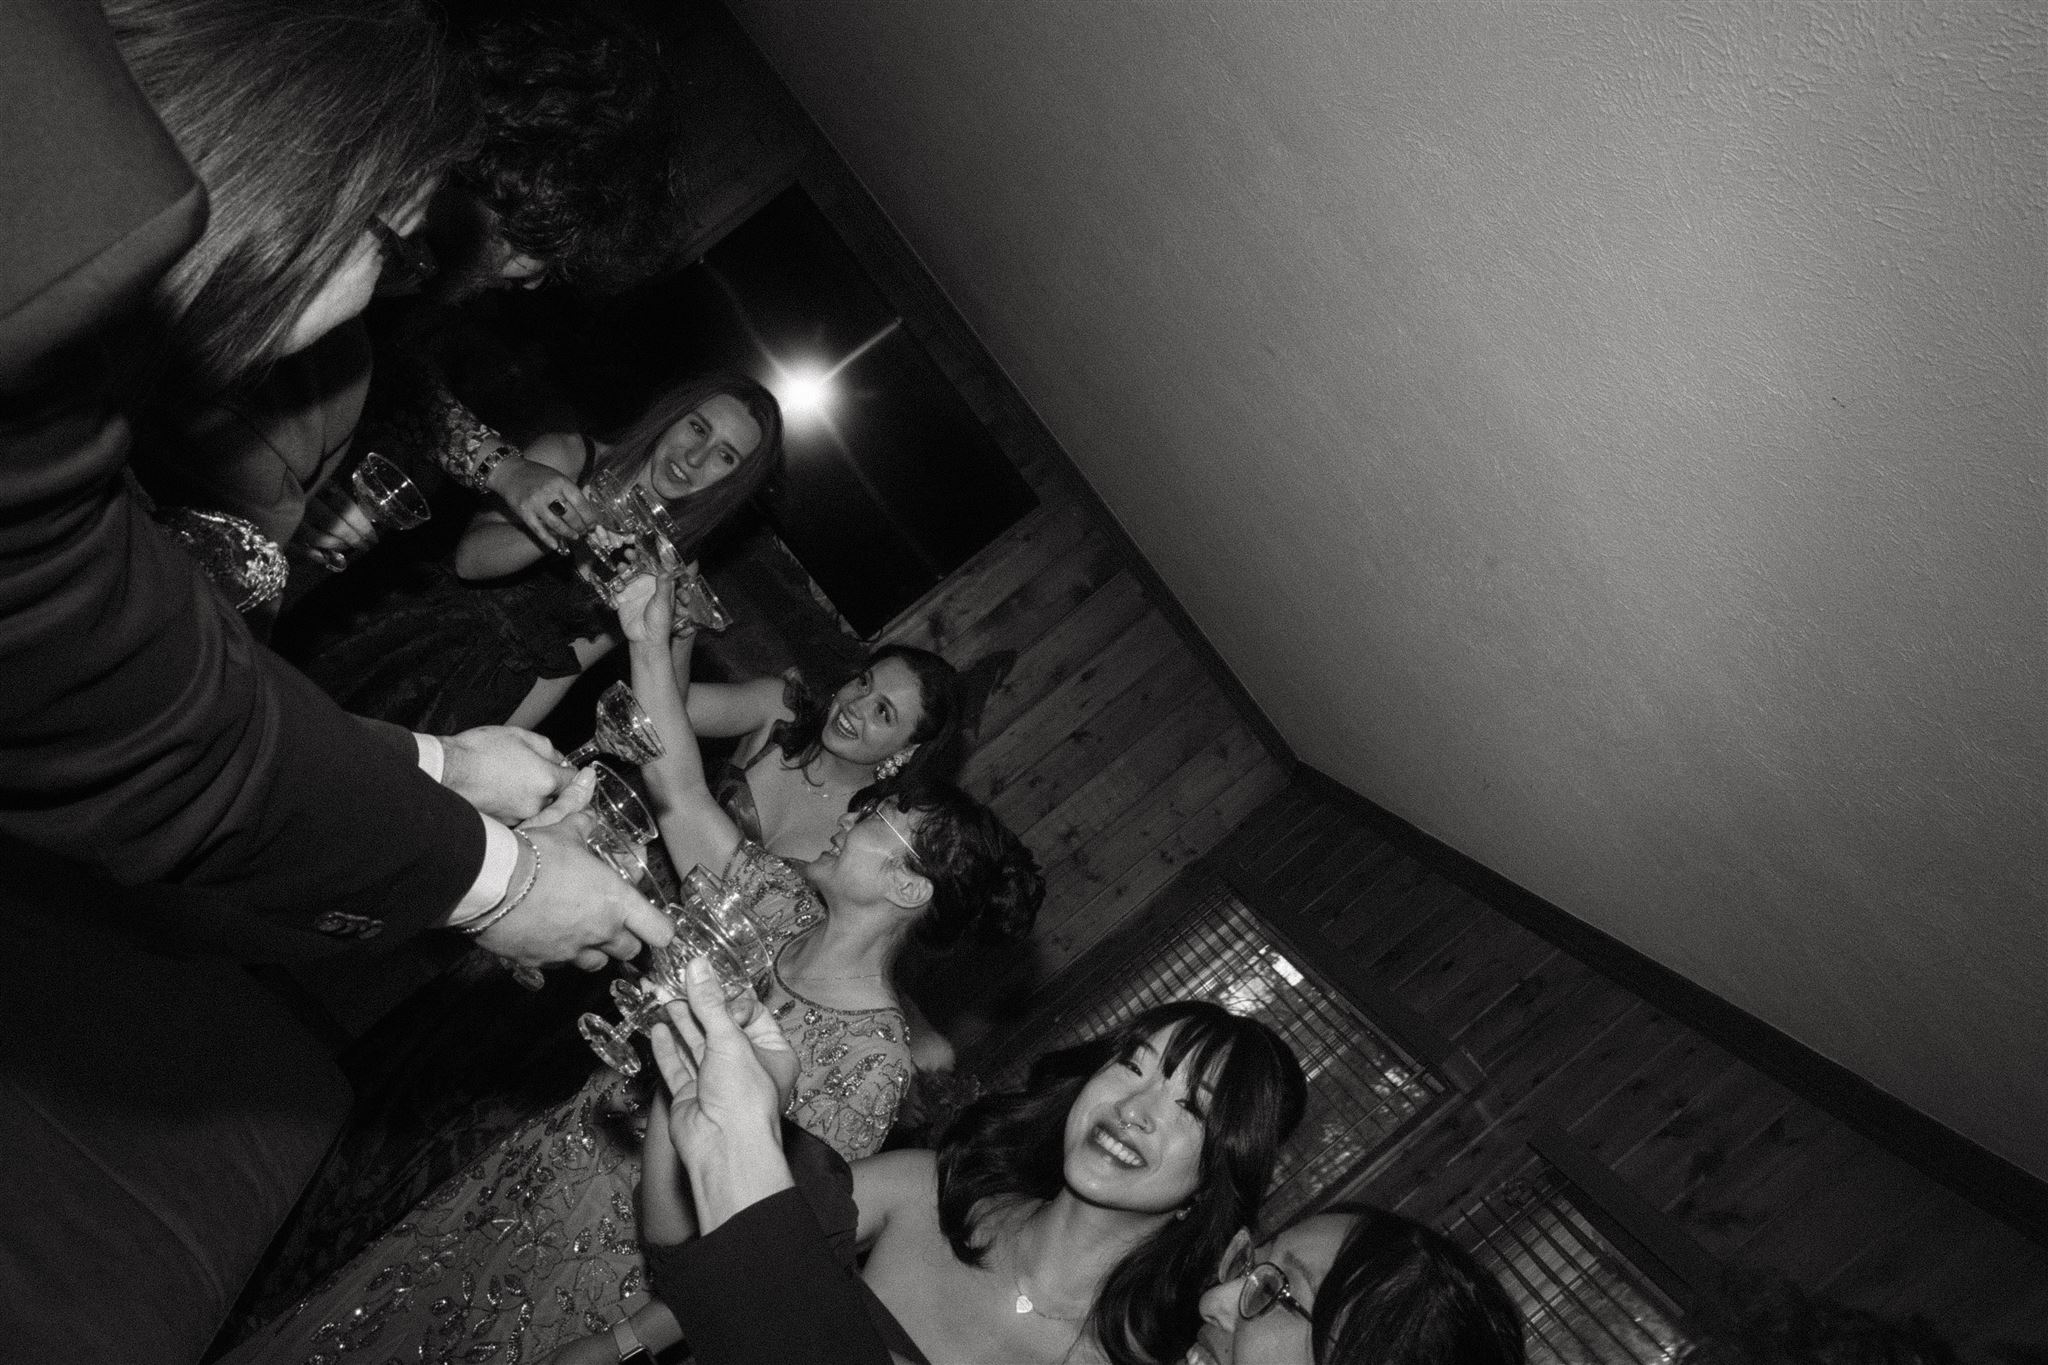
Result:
x=894 y=763
x=1180 y=1213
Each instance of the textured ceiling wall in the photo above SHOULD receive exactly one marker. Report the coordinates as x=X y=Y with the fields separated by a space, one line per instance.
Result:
x=1610 y=436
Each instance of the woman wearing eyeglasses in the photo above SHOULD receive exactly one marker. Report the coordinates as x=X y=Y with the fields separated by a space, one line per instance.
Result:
x=1355 y=1286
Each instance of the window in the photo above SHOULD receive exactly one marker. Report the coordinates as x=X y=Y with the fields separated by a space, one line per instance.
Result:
x=1583 y=1301
x=1363 y=1089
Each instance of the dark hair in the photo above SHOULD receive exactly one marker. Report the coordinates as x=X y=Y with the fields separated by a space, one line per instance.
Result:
x=578 y=163
x=985 y=884
x=306 y=120
x=1399 y=1293
x=937 y=733
x=698 y=514
x=1009 y=1148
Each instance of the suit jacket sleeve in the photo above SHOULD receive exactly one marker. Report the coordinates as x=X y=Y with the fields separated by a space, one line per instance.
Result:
x=147 y=736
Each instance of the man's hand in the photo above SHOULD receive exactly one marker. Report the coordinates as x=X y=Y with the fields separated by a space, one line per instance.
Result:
x=578 y=911
x=506 y=773
x=545 y=501
x=728 y=1087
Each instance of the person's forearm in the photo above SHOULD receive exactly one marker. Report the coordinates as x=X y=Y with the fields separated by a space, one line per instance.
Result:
x=493 y=549
x=744 y=1169
x=661 y=681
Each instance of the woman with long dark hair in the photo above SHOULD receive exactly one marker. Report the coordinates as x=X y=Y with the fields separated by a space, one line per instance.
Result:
x=501 y=631
x=1076 y=1220
x=1355 y=1285
x=806 y=755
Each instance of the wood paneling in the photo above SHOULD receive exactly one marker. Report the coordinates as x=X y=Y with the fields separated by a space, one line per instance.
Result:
x=1754 y=1174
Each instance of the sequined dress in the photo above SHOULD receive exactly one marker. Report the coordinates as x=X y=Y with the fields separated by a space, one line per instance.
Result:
x=536 y=1242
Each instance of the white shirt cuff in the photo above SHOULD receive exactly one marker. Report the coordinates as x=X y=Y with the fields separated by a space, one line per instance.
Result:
x=501 y=857
x=433 y=759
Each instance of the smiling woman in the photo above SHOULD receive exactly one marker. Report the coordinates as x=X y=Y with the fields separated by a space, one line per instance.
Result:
x=500 y=632
x=1077 y=1220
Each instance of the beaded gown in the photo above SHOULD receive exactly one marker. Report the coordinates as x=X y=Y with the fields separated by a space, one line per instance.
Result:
x=536 y=1243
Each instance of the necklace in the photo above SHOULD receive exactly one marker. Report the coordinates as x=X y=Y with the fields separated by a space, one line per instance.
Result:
x=837 y=976
x=1024 y=1305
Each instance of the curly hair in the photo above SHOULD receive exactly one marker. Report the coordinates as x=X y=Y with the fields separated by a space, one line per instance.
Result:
x=307 y=120
x=937 y=734
x=578 y=163
x=1010 y=1148
x=985 y=884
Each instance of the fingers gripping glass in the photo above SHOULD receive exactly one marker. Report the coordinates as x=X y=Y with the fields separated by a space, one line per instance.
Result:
x=408 y=263
x=1265 y=1284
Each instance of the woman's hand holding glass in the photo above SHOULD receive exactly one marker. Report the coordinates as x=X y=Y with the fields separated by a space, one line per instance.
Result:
x=545 y=501
x=646 y=607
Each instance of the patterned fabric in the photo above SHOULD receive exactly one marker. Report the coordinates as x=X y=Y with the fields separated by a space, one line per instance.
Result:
x=535 y=1243
x=413 y=412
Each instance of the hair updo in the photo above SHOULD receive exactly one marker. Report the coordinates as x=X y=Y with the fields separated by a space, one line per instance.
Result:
x=985 y=884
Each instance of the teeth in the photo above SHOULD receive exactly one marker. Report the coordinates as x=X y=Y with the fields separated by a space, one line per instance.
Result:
x=1121 y=1151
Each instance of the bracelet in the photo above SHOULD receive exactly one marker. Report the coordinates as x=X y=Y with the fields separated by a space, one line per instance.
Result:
x=487 y=465
x=510 y=903
x=626 y=1341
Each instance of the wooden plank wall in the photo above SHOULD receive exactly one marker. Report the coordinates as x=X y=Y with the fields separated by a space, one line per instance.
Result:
x=1755 y=1174
x=1116 y=746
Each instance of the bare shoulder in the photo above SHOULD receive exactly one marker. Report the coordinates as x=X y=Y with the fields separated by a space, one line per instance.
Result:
x=893 y=1182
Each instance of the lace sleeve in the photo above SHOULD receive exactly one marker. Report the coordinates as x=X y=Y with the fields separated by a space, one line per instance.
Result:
x=850 y=1098
x=418 y=419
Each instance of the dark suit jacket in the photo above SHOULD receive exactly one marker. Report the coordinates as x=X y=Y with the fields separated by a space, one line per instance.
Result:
x=778 y=1282
x=145 y=737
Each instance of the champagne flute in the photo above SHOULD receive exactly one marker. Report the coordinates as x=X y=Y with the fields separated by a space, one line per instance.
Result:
x=697 y=607
x=387 y=496
x=710 y=922
x=624 y=730
x=619 y=807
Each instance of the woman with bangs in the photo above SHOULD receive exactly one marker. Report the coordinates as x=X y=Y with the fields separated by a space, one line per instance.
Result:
x=1077 y=1220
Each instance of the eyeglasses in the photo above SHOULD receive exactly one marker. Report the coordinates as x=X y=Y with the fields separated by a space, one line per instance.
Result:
x=1265 y=1284
x=408 y=263
x=878 y=813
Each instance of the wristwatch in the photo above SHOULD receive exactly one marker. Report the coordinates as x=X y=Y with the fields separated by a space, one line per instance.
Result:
x=632 y=1350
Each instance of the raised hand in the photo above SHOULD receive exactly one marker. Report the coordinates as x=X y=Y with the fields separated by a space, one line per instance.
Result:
x=578 y=910
x=647 y=607
x=507 y=773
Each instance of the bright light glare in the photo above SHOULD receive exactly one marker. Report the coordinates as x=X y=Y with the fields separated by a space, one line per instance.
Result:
x=803 y=393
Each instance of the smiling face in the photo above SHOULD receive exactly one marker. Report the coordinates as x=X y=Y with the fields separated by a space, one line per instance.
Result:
x=876 y=714
x=704 y=445
x=1277 y=1336
x=1134 y=1134
x=867 y=859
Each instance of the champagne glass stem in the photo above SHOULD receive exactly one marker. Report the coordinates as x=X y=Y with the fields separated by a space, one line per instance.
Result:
x=584 y=754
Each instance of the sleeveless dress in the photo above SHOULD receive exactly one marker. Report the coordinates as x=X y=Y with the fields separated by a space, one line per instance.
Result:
x=536 y=1241
x=413 y=643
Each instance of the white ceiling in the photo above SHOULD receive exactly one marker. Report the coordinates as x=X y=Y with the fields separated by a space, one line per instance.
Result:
x=1611 y=436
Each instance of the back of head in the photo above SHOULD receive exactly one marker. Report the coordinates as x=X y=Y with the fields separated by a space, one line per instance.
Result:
x=986 y=885
x=577 y=161
x=306 y=120
x=1399 y=1293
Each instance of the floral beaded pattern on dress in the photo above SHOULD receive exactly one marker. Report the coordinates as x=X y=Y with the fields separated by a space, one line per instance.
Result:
x=533 y=1245
x=536 y=1242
